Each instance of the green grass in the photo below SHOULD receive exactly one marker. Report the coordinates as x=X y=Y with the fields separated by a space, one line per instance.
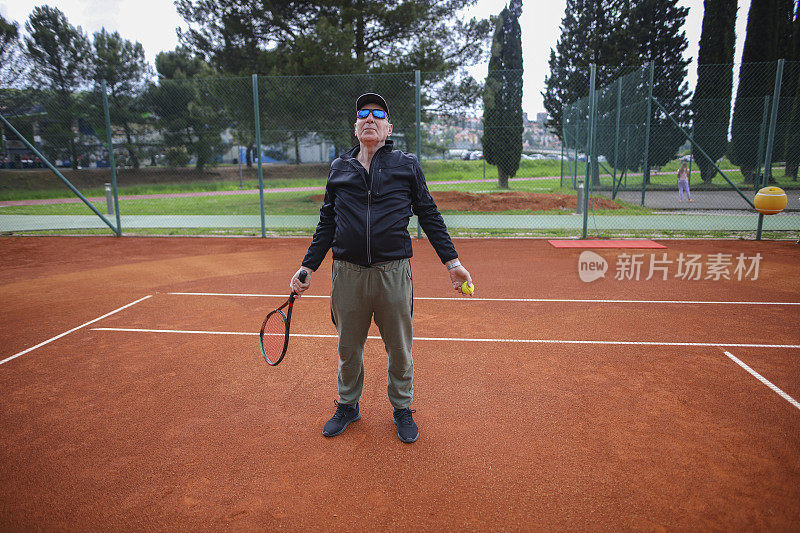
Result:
x=296 y=203
x=301 y=202
x=451 y=170
x=290 y=203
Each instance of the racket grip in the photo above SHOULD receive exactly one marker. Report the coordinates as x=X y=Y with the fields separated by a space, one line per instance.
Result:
x=302 y=276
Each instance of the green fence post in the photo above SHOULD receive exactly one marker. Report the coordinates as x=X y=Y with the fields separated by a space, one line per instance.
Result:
x=616 y=142
x=776 y=99
x=691 y=153
x=595 y=164
x=563 y=141
x=646 y=167
x=111 y=159
x=590 y=147
x=258 y=155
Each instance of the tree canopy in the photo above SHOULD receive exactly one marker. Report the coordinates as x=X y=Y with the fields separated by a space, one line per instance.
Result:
x=325 y=37
x=12 y=63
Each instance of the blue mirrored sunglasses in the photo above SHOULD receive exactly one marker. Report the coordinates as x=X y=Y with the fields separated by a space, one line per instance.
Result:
x=377 y=113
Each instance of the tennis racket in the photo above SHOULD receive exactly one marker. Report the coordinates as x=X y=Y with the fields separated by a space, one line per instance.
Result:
x=274 y=336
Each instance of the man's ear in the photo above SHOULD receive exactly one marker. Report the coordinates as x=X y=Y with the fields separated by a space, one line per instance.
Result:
x=390 y=129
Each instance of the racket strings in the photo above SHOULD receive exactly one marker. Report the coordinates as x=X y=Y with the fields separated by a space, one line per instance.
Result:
x=274 y=336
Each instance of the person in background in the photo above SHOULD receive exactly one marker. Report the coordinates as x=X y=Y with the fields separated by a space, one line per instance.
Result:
x=683 y=182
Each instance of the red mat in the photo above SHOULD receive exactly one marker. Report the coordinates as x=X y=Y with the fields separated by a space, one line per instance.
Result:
x=604 y=243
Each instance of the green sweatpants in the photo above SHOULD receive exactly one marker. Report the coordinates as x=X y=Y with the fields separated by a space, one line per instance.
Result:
x=358 y=294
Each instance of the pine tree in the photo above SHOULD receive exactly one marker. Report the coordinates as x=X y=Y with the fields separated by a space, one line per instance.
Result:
x=592 y=32
x=121 y=63
x=12 y=65
x=712 y=96
x=502 y=114
x=59 y=55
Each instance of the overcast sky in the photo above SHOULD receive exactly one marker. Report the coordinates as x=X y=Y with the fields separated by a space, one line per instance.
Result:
x=153 y=23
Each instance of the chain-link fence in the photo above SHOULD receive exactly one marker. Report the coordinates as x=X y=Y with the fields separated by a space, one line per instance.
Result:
x=251 y=155
x=644 y=134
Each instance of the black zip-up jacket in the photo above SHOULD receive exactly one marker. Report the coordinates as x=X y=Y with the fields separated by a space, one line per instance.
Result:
x=365 y=220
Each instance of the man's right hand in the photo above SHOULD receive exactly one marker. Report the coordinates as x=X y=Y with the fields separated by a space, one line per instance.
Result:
x=297 y=286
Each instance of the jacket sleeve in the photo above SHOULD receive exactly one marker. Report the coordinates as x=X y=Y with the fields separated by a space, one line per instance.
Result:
x=323 y=236
x=430 y=219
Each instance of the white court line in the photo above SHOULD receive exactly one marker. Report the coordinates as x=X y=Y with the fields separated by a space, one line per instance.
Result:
x=456 y=339
x=544 y=300
x=23 y=352
x=763 y=380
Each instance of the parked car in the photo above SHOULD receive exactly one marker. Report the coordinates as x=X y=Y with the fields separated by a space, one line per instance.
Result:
x=476 y=155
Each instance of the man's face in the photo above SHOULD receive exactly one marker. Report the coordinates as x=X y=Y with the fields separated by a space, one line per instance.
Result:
x=372 y=130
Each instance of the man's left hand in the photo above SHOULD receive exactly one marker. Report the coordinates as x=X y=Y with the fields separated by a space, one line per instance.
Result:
x=458 y=276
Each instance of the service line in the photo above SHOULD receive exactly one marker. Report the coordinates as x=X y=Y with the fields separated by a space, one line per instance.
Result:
x=543 y=300
x=23 y=352
x=763 y=380
x=458 y=339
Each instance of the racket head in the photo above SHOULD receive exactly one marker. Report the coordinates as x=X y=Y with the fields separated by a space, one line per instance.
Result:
x=274 y=337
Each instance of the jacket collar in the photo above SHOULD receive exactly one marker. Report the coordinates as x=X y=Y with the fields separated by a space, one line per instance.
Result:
x=353 y=152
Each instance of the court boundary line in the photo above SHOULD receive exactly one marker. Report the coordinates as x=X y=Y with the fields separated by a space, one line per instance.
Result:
x=48 y=341
x=763 y=380
x=475 y=299
x=462 y=339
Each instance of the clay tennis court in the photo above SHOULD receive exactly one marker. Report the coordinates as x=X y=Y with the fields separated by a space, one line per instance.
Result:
x=544 y=402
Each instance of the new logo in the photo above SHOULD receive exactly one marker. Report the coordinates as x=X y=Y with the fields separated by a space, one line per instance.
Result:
x=591 y=266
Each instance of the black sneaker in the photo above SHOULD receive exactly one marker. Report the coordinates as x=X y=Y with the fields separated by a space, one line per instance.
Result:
x=407 y=430
x=345 y=414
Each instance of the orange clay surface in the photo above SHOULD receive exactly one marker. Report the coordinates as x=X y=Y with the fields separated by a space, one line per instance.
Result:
x=113 y=430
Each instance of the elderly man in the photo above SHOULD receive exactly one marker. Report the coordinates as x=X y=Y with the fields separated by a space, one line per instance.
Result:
x=370 y=195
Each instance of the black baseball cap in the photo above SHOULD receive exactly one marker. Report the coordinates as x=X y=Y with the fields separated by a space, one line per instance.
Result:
x=371 y=98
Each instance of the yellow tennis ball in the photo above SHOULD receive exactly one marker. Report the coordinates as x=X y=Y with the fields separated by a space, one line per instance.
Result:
x=770 y=200
x=467 y=288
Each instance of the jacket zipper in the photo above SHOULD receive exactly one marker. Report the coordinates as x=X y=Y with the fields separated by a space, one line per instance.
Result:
x=369 y=205
x=369 y=202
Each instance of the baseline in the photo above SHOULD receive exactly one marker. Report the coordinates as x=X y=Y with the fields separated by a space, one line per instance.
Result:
x=23 y=352
x=462 y=339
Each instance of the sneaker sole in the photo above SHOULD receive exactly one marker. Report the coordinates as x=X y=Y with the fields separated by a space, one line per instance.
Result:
x=404 y=440
x=343 y=427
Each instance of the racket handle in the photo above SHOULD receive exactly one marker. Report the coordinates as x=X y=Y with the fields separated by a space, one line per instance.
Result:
x=302 y=277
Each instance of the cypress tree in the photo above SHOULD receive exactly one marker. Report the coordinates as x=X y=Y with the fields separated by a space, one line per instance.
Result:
x=712 y=96
x=502 y=115
x=789 y=82
x=756 y=80
x=793 y=136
